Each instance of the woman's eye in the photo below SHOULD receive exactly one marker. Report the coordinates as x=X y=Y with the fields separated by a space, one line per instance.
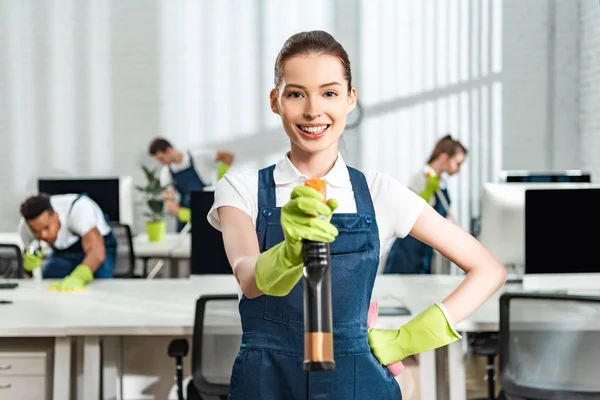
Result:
x=294 y=95
x=330 y=94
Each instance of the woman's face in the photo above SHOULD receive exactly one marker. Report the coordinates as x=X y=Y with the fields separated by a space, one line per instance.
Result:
x=455 y=162
x=313 y=102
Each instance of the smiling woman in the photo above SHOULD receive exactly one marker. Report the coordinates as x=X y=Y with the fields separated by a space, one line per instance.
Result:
x=313 y=93
x=265 y=217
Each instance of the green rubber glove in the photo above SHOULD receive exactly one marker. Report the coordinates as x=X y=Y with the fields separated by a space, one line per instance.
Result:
x=81 y=275
x=429 y=330
x=32 y=261
x=221 y=170
x=184 y=214
x=304 y=217
x=431 y=186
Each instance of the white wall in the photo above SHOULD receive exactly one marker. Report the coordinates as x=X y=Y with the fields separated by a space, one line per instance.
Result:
x=589 y=85
x=540 y=90
x=85 y=85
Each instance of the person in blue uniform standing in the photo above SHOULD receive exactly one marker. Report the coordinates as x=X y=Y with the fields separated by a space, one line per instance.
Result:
x=266 y=215
x=409 y=255
x=187 y=171
x=83 y=245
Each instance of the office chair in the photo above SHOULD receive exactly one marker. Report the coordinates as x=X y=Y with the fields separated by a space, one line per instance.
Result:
x=125 y=252
x=11 y=261
x=549 y=346
x=485 y=344
x=202 y=386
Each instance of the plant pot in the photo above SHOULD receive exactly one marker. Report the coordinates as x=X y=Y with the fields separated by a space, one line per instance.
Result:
x=156 y=230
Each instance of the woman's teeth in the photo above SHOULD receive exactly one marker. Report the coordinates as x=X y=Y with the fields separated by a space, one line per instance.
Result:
x=313 y=129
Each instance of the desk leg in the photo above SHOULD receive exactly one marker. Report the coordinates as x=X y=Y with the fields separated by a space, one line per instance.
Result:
x=62 y=368
x=174 y=266
x=456 y=371
x=91 y=367
x=427 y=375
x=112 y=367
x=145 y=270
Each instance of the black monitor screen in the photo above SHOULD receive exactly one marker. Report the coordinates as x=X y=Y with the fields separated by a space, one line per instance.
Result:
x=559 y=230
x=208 y=251
x=105 y=192
x=549 y=178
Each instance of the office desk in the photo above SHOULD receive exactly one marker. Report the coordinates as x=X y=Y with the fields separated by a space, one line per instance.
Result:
x=173 y=247
x=166 y=307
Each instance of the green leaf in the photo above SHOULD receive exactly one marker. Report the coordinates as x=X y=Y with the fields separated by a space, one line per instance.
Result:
x=156 y=205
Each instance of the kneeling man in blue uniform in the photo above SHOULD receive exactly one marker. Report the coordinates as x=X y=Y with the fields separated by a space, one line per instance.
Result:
x=83 y=245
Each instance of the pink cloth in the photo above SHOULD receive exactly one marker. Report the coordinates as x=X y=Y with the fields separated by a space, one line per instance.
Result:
x=397 y=367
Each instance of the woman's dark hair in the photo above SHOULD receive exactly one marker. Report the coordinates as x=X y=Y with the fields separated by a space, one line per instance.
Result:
x=446 y=145
x=313 y=42
x=34 y=206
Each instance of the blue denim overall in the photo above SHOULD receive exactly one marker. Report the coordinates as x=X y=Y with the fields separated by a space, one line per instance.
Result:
x=62 y=262
x=186 y=181
x=411 y=256
x=269 y=365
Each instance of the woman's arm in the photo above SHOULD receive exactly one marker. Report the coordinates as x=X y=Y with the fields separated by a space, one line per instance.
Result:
x=485 y=274
x=241 y=246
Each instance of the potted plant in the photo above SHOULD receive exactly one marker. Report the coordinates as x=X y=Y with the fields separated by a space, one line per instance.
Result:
x=153 y=195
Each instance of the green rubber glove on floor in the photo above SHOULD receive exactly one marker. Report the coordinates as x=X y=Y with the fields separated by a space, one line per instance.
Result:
x=184 y=214
x=81 y=275
x=304 y=217
x=431 y=186
x=429 y=330
x=32 y=261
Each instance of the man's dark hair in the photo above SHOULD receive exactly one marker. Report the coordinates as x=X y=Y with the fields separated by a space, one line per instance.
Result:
x=34 y=206
x=159 y=144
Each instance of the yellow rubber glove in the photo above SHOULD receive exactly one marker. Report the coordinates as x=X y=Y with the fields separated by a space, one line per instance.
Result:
x=81 y=275
x=221 y=170
x=32 y=261
x=431 y=186
x=429 y=330
x=304 y=217
x=184 y=214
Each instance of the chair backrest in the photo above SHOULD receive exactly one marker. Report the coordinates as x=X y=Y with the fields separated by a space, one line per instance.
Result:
x=125 y=264
x=11 y=261
x=213 y=352
x=549 y=346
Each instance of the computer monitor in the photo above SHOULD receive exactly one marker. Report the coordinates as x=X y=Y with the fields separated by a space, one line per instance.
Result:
x=560 y=240
x=503 y=219
x=114 y=195
x=545 y=176
x=208 y=250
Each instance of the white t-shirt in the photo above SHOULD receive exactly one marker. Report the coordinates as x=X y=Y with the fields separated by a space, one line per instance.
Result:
x=84 y=216
x=205 y=164
x=396 y=206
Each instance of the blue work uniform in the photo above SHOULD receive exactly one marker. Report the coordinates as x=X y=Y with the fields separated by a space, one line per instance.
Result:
x=411 y=256
x=269 y=365
x=63 y=261
x=186 y=181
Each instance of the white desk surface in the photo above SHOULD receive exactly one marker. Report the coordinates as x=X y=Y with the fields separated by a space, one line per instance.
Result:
x=173 y=244
x=166 y=306
x=165 y=248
